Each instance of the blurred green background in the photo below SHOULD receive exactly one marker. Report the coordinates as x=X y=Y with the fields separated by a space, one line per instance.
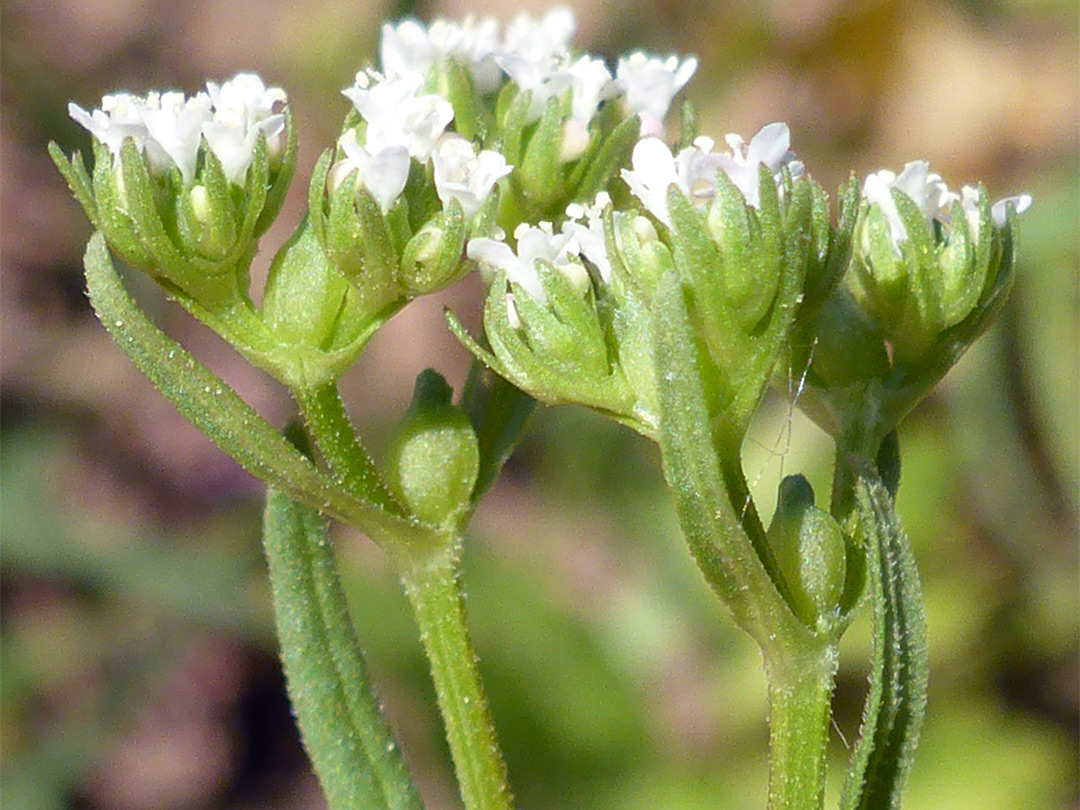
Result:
x=138 y=668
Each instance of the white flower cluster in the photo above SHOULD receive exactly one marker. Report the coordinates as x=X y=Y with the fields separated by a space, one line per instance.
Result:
x=933 y=198
x=405 y=121
x=170 y=128
x=693 y=171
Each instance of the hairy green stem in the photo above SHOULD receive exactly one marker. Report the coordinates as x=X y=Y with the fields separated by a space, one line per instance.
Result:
x=434 y=591
x=332 y=431
x=800 y=695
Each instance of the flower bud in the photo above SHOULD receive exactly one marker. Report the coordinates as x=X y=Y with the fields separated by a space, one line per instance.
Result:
x=433 y=458
x=811 y=552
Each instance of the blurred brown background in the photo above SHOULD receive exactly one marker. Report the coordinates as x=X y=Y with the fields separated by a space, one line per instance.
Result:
x=138 y=668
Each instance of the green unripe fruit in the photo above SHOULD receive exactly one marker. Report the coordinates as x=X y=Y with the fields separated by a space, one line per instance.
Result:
x=433 y=458
x=810 y=550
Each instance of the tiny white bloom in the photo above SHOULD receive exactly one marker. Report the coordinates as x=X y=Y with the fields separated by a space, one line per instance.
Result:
x=655 y=170
x=650 y=84
x=534 y=243
x=536 y=41
x=117 y=119
x=382 y=172
x=243 y=107
x=923 y=187
x=410 y=47
x=175 y=128
x=769 y=146
x=463 y=175
x=590 y=235
x=397 y=115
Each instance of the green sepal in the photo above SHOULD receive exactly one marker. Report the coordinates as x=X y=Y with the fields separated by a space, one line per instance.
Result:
x=470 y=116
x=639 y=261
x=829 y=253
x=432 y=258
x=115 y=220
x=896 y=703
x=689 y=125
x=143 y=199
x=213 y=234
x=603 y=160
x=433 y=460
x=275 y=181
x=569 y=313
x=317 y=205
x=540 y=172
x=74 y=172
x=512 y=112
x=351 y=747
x=360 y=246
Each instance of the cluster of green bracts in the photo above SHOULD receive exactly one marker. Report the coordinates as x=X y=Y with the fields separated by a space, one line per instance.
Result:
x=665 y=290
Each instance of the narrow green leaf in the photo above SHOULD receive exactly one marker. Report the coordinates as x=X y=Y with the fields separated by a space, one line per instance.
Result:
x=351 y=747
x=713 y=530
x=896 y=704
x=211 y=405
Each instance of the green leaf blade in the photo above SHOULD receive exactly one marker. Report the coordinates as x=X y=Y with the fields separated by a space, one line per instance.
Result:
x=351 y=747
x=896 y=704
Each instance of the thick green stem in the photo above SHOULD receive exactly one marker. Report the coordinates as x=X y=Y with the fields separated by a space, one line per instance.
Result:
x=332 y=431
x=434 y=590
x=800 y=694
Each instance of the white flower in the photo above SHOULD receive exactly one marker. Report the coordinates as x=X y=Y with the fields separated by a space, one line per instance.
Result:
x=590 y=236
x=410 y=47
x=769 y=146
x=538 y=41
x=650 y=84
x=175 y=128
x=396 y=115
x=382 y=172
x=534 y=244
x=655 y=170
x=165 y=126
x=118 y=118
x=243 y=107
x=969 y=201
x=919 y=184
x=463 y=175
x=535 y=56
